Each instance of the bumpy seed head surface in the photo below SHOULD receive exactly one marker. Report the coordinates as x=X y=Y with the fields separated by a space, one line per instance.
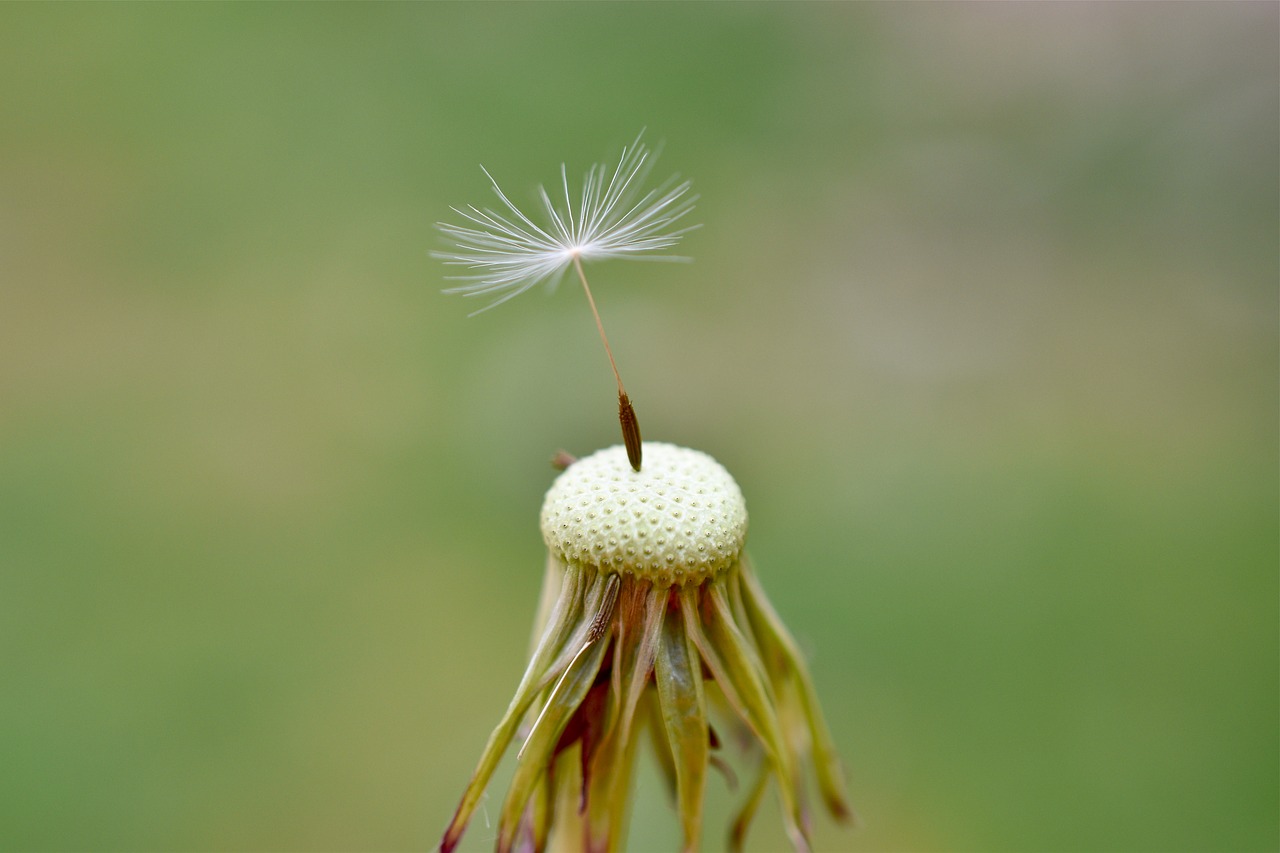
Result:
x=680 y=519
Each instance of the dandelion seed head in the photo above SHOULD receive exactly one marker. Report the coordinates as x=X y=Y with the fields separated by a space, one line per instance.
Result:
x=506 y=251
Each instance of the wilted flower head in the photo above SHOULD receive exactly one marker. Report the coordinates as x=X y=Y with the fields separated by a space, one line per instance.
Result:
x=651 y=619
x=508 y=252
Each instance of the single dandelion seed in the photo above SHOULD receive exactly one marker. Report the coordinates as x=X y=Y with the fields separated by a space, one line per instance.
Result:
x=507 y=252
x=640 y=643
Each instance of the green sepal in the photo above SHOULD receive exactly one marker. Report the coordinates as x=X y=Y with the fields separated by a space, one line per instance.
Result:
x=740 y=675
x=782 y=657
x=559 y=624
x=538 y=751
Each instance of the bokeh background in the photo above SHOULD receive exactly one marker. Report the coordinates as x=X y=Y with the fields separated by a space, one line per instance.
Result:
x=983 y=318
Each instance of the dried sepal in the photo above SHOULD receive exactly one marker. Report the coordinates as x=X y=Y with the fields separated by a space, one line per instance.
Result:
x=560 y=623
x=678 y=673
x=738 y=671
x=782 y=656
x=540 y=746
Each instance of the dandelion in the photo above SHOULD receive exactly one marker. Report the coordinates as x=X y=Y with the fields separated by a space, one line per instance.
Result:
x=652 y=622
x=652 y=619
x=509 y=253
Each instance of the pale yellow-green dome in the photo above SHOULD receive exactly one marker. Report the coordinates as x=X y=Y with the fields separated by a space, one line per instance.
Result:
x=680 y=519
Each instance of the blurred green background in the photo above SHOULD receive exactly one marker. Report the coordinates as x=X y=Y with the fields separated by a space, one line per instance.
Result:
x=983 y=318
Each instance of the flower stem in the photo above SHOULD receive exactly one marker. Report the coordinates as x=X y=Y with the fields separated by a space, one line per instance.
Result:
x=626 y=413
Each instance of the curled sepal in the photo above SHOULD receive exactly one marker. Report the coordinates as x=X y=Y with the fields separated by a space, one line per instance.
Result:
x=740 y=675
x=678 y=672
x=538 y=751
x=599 y=595
x=560 y=623
x=784 y=662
